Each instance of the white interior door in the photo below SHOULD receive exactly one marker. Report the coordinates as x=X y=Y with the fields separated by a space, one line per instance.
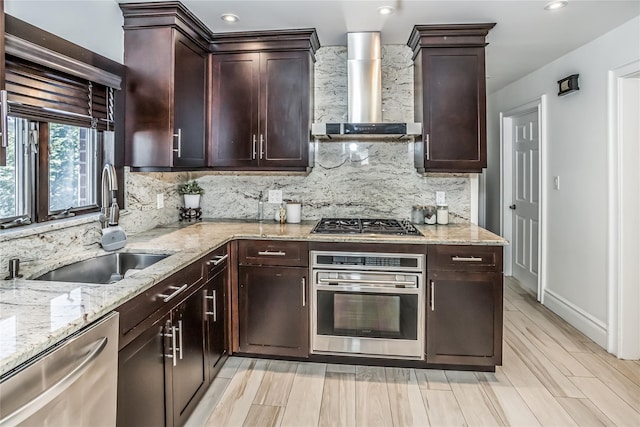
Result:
x=525 y=199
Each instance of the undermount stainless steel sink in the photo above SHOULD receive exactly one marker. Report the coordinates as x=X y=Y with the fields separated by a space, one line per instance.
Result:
x=103 y=269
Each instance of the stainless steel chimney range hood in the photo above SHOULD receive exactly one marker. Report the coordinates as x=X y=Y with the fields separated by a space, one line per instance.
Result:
x=364 y=83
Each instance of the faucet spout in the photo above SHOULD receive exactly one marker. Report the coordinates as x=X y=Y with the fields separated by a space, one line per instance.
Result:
x=109 y=208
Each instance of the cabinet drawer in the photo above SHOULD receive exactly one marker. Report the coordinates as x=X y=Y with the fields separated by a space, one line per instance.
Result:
x=464 y=258
x=173 y=289
x=273 y=252
x=216 y=260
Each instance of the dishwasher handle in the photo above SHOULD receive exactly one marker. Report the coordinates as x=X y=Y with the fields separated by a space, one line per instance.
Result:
x=24 y=412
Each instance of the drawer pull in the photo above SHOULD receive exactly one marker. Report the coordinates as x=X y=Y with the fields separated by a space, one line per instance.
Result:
x=168 y=298
x=466 y=259
x=272 y=253
x=218 y=259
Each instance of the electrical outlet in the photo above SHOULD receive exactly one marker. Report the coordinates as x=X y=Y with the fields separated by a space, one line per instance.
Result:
x=440 y=198
x=160 y=200
x=275 y=196
x=556 y=183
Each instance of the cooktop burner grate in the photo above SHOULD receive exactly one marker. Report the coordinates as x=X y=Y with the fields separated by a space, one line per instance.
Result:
x=365 y=226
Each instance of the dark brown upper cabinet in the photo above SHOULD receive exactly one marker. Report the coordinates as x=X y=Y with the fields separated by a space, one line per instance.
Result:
x=262 y=100
x=166 y=55
x=450 y=96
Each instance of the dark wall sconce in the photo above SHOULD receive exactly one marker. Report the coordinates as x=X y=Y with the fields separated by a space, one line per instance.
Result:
x=568 y=84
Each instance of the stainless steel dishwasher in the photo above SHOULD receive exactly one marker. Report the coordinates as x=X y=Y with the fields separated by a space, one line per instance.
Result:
x=72 y=384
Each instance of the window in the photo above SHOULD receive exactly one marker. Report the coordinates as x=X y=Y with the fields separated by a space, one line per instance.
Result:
x=65 y=157
x=72 y=167
x=10 y=185
x=54 y=115
x=56 y=124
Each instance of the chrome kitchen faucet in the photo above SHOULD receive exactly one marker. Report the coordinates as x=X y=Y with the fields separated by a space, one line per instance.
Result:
x=113 y=236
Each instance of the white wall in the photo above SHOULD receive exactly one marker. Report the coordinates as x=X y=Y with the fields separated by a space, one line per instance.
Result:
x=577 y=152
x=95 y=25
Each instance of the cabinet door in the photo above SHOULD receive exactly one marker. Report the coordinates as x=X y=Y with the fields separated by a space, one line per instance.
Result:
x=234 y=110
x=141 y=379
x=189 y=376
x=464 y=318
x=189 y=93
x=454 y=123
x=285 y=106
x=215 y=313
x=273 y=310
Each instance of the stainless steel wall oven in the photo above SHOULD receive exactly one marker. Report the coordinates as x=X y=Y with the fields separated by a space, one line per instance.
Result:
x=368 y=304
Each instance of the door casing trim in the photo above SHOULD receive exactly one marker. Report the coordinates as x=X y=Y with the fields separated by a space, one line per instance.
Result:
x=627 y=347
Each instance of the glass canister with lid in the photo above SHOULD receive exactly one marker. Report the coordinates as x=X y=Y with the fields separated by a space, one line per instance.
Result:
x=417 y=214
x=429 y=215
x=442 y=214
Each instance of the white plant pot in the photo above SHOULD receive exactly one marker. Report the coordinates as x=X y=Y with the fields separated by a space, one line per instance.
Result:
x=192 y=201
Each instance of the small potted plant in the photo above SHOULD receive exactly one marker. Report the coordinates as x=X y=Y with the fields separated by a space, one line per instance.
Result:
x=191 y=191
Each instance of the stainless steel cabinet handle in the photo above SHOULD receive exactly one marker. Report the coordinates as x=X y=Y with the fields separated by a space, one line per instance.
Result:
x=433 y=295
x=168 y=298
x=207 y=298
x=214 y=294
x=272 y=253
x=24 y=412
x=261 y=146
x=179 y=149
x=427 y=148
x=218 y=259
x=180 y=336
x=253 y=147
x=466 y=259
x=4 y=119
x=171 y=335
x=304 y=291
x=173 y=345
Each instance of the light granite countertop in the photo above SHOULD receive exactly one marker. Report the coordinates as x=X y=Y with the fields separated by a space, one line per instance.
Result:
x=34 y=315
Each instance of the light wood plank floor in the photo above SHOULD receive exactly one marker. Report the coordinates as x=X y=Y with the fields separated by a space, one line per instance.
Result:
x=552 y=375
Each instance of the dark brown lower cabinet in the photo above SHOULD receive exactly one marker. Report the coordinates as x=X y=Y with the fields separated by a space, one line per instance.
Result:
x=189 y=374
x=163 y=372
x=464 y=318
x=215 y=297
x=273 y=310
x=141 y=379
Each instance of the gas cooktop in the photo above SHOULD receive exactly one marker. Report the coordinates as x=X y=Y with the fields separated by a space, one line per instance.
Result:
x=365 y=226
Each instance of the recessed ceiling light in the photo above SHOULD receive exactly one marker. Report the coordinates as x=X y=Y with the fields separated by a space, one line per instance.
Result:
x=229 y=17
x=555 y=4
x=385 y=10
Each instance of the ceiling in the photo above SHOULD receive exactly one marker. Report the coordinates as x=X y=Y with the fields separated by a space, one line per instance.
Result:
x=525 y=38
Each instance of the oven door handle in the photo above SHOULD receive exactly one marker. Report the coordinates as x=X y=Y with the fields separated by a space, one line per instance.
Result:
x=372 y=283
x=386 y=290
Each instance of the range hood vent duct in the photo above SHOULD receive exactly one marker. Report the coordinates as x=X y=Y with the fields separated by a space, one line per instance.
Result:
x=364 y=77
x=364 y=82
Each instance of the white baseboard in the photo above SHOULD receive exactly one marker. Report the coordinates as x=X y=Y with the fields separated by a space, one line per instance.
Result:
x=576 y=317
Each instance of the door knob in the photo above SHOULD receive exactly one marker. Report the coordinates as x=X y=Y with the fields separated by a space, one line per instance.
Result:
x=512 y=207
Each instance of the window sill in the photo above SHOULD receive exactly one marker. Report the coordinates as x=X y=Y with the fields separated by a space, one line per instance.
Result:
x=45 y=227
